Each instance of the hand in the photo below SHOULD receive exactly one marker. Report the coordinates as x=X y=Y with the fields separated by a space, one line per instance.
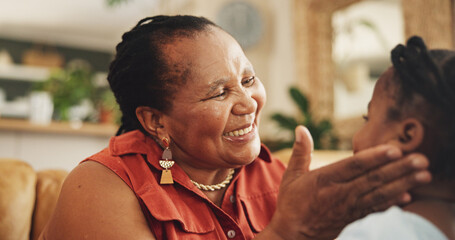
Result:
x=319 y=204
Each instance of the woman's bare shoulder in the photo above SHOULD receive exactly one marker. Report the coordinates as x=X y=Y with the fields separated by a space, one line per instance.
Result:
x=95 y=203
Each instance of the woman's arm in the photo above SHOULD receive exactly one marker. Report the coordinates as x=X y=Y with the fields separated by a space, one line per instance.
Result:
x=319 y=204
x=96 y=204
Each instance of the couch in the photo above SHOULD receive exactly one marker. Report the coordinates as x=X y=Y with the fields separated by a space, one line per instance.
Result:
x=319 y=159
x=27 y=199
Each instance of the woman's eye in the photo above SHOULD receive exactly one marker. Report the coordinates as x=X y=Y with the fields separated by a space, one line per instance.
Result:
x=249 y=81
x=221 y=94
x=365 y=117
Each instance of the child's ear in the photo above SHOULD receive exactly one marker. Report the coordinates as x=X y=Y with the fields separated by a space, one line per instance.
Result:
x=151 y=120
x=410 y=135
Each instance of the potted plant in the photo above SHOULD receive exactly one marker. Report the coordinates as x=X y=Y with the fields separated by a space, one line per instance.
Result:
x=108 y=109
x=70 y=87
x=321 y=131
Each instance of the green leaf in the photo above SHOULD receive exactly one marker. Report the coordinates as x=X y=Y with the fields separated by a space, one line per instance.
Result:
x=320 y=131
x=324 y=126
x=370 y=25
x=284 y=121
x=299 y=99
x=302 y=103
x=367 y=23
x=113 y=3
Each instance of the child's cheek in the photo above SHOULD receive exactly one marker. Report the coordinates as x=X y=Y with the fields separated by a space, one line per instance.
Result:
x=395 y=143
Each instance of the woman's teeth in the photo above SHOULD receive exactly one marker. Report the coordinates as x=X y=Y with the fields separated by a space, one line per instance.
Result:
x=240 y=132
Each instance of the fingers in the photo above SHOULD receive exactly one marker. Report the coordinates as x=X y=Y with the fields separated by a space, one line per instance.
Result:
x=388 y=185
x=375 y=208
x=301 y=151
x=388 y=173
x=384 y=184
x=393 y=191
x=362 y=162
x=389 y=195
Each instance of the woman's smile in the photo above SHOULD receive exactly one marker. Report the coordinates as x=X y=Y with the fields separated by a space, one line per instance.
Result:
x=219 y=104
x=241 y=135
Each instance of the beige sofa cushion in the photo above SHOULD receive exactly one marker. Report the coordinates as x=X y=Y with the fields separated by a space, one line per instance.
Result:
x=48 y=188
x=320 y=157
x=17 y=191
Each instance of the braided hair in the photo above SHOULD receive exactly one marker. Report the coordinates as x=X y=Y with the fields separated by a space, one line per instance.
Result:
x=140 y=74
x=425 y=87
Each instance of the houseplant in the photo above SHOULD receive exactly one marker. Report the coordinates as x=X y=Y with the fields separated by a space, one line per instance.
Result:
x=321 y=131
x=108 y=109
x=69 y=87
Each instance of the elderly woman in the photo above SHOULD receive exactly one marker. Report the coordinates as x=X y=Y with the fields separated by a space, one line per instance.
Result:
x=188 y=163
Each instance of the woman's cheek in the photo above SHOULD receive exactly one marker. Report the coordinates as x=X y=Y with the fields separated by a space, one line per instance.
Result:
x=261 y=95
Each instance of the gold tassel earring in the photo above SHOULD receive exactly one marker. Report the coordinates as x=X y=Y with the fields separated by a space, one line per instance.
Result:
x=166 y=162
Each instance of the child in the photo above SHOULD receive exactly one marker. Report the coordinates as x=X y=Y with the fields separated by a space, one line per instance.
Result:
x=413 y=107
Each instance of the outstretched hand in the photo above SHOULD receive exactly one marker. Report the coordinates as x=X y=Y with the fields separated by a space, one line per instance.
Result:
x=318 y=204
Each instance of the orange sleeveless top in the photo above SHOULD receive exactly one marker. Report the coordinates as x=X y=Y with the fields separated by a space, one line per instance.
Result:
x=182 y=211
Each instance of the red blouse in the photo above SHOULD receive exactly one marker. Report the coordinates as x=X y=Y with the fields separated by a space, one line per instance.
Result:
x=182 y=211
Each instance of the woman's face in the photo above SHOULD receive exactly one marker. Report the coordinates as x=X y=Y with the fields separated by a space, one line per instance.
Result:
x=377 y=128
x=213 y=122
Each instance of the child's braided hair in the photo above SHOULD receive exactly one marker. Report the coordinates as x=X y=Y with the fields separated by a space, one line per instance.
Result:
x=425 y=81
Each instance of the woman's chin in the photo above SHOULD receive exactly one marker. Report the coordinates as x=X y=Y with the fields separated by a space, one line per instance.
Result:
x=247 y=154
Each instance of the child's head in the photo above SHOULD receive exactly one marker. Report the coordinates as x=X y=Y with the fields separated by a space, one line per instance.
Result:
x=413 y=106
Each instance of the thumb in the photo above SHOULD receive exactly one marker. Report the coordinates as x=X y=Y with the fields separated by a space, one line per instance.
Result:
x=302 y=150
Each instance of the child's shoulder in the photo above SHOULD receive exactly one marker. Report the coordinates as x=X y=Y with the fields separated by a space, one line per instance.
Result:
x=392 y=224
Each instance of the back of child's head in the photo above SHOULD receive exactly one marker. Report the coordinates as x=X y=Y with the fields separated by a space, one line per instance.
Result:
x=424 y=88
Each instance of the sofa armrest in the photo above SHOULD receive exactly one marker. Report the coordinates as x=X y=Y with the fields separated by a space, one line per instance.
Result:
x=48 y=186
x=17 y=199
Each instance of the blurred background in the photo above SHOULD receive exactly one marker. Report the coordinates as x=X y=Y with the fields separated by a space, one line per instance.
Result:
x=318 y=60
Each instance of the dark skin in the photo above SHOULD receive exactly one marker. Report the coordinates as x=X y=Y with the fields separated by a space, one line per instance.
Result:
x=371 y=180
x=93 y=197
x=317 y=204
x=434 y=201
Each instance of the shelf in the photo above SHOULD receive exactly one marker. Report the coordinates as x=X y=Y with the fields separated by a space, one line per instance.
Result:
x=39 y=74
x=24 y=73
x=87 y=129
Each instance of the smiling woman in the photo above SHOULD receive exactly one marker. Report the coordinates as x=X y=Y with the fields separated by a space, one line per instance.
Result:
x=221 y=92
x=187 y=162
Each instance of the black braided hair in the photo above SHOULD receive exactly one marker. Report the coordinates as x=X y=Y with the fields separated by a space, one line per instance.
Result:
x=140 y=74
x=425 y=87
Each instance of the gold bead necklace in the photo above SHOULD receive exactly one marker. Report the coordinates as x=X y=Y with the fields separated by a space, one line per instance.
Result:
x=215 y=186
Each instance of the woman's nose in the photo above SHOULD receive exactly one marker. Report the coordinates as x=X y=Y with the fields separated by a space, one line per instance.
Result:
x=245 y=104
